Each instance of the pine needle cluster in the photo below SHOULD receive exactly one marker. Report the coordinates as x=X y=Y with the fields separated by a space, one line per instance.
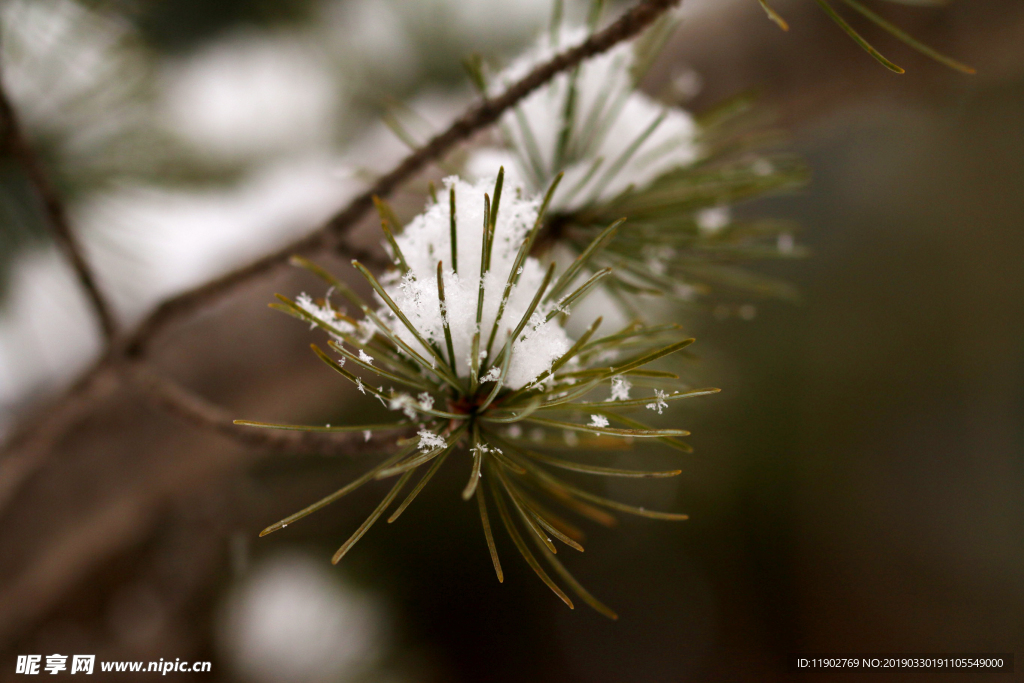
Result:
x=513 y=435
x=625 y=153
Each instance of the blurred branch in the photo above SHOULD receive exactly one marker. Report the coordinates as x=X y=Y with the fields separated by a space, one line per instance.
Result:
x=124 y=519
x=27 y=446
x=15 y=144
x=32 y=440
x=53 y=571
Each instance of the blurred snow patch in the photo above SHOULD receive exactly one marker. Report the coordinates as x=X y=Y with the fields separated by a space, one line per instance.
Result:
x=372 y=32
x=152 y=242
x=710 y=221
x=47 y=330
x=251 y=95
x=621 y=137
x=493 y=19
x=64 y=63
x=473 y=24
x=376 y=149
x=295 y=619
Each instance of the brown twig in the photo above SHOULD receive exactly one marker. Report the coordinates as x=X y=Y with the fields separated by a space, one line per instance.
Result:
x=197 y=411
x=67 y=409
x=15 y=144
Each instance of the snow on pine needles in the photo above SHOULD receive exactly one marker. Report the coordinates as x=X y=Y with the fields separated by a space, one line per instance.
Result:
x=592 y=123
x=426 y=242
x=626 y=153
x=465 y=347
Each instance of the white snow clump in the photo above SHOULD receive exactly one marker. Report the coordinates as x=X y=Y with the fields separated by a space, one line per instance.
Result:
x=426 y=240
x=610 y=117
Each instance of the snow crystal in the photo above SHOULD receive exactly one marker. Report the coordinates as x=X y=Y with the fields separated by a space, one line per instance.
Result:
x=324 y=314
x=492 y=375
x=429 y=441
x=659 y=403
x=484 y=449
x=426 y=400
x=366 y=358
x=366 y=329
x=404 y=403
x=598 y=421
x=366 y=435
x=620 y=389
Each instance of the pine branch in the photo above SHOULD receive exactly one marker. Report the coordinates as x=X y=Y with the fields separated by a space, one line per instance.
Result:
x=28 y=447
x=334 y=233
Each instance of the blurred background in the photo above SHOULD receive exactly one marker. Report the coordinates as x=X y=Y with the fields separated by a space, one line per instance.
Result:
x=857 y=486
